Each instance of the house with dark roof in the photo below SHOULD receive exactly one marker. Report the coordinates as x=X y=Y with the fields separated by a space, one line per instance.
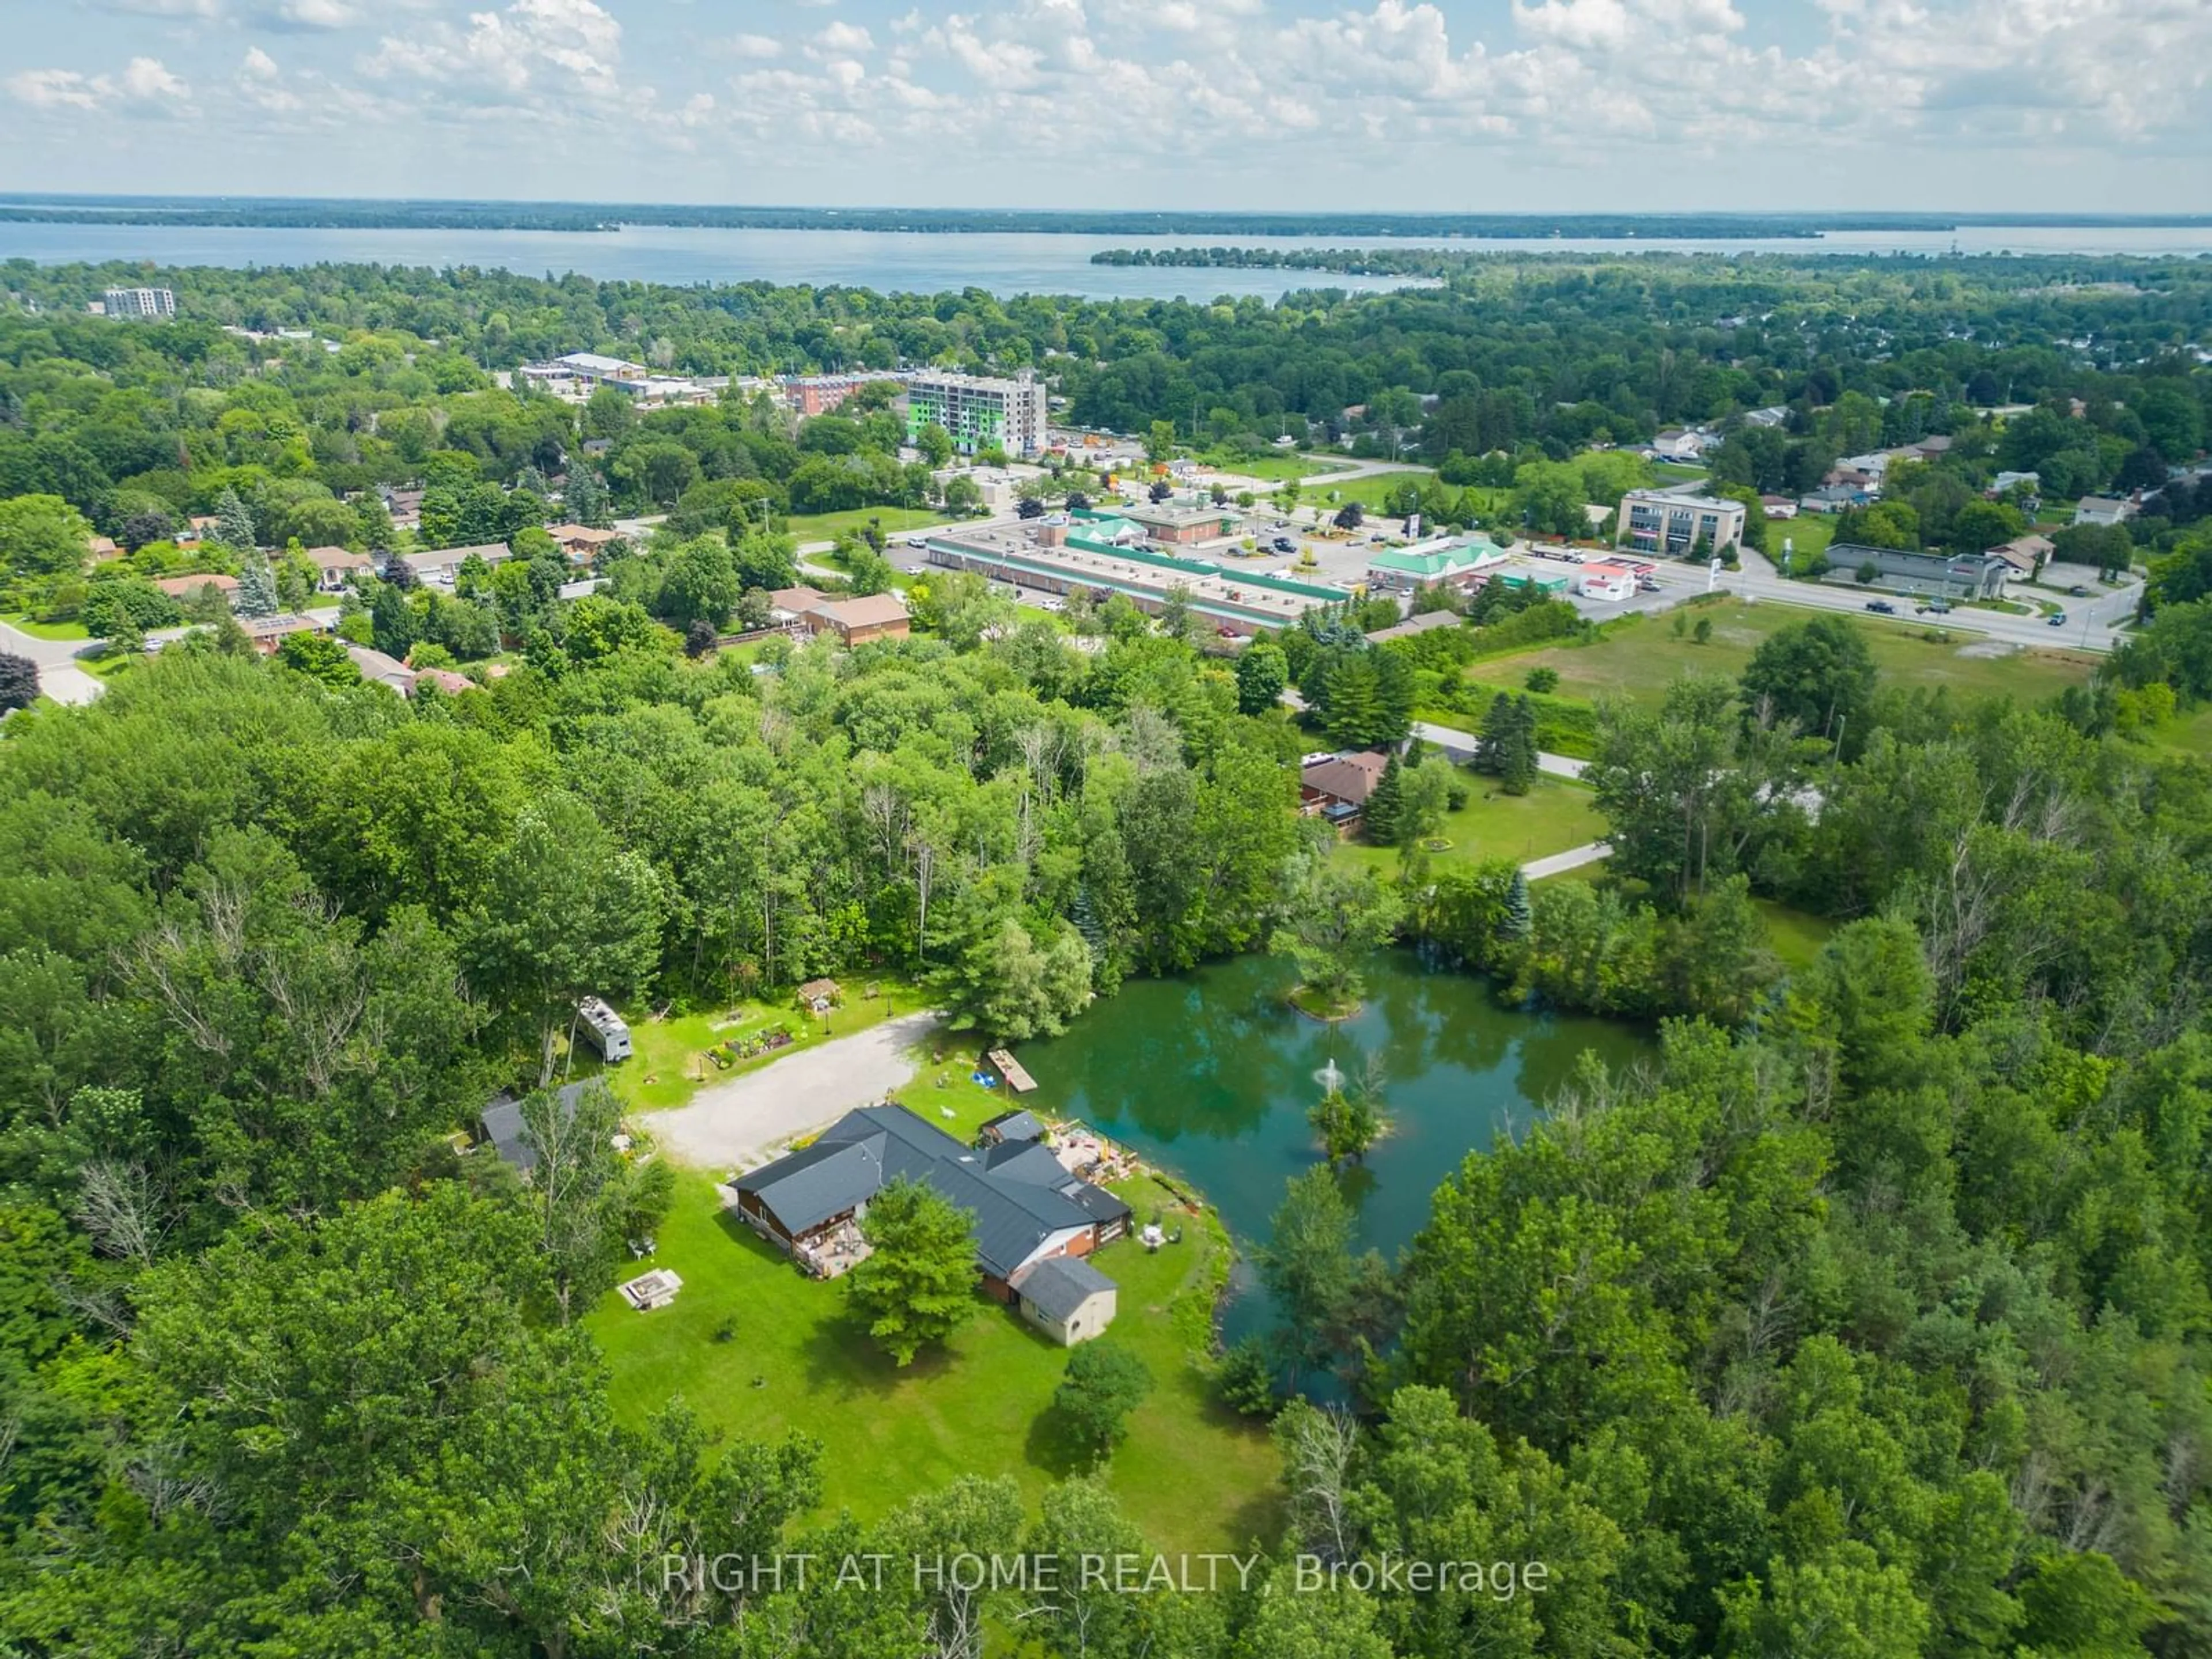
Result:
x=1067 y=1297
x=509 y=1136
x=1024 y=1206
x=1016 y=1125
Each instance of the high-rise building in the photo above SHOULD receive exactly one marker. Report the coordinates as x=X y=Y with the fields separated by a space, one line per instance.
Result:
x=139 y=302
x=979 y=411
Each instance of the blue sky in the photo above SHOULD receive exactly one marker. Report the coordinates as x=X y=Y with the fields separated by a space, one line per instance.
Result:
x=1485 y=104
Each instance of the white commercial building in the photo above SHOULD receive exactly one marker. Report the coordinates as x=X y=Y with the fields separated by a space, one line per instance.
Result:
x=1674 y=522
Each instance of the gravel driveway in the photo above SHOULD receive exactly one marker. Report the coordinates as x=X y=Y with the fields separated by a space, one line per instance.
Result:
x=736 y=1124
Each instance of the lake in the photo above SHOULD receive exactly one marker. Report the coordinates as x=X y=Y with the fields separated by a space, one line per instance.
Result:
x=1209 y=1075
x=1004 y=263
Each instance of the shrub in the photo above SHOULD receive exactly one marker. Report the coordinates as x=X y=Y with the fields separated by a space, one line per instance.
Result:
x=1542 y=679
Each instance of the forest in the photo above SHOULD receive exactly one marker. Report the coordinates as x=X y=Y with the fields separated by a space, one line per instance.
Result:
x=1872 y=1317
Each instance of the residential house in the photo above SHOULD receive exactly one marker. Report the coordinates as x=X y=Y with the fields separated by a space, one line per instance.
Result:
x=380 y=669
x=1772 y=415
x=2005 y=481
x=405 y=506
x=183 y=587
x=267 y=633
x=1414 y=627
x=509 y=1136
x=579 y=543
x=442 y=565
x=857 y=622
x=2026 y=554
x=1336 y=787
x=335 y=568
x=444 y=679
x=790 y=603
x=1679 y=445
x=2102 y=510
x=1025 y=1206
x=1065 y=1297
x=1778 y=506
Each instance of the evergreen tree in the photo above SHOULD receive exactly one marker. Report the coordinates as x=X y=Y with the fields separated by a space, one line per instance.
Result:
x=1262 y=673
x=392 y=621
x=1380 y=815
x=1517 y=758
x=257 y=587
x=233 y=524
x=1354 y=714
x=1497 y=728
x=1518 y=919
x=585 y=497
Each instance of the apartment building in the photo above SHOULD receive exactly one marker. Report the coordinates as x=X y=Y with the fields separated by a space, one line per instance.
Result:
x=979 y=411
x=139 y=302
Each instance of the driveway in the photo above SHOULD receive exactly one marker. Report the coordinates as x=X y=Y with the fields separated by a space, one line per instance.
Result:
x=59 y=677
x=737 y=1124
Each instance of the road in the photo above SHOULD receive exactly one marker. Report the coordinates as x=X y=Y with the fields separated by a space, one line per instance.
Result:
x=59 y=677
x=1573 y=859
x=737 y=1124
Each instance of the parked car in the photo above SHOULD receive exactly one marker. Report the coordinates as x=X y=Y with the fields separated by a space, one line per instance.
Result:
x=1285 y=544
x=2078 y=591
x=1882 y=607
x=2055 y=619
x=1645 y=585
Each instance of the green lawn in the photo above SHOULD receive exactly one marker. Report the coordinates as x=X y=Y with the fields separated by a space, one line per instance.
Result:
x=1809 y=534
x=1191 y=1474
x=46 y=630
x=2189 y=733
x=1797 y=936
x=1640 y=657
x=1271 y=466
x=1551 y=818
x=827 y=526
x=1367 y=491
x=667 y=1059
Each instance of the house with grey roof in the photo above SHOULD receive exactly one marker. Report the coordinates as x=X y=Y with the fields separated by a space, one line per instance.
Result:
x=1024 y=1206
x=509 y=1135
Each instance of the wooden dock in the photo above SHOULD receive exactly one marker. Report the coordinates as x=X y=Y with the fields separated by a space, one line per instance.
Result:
x=1018 y=1078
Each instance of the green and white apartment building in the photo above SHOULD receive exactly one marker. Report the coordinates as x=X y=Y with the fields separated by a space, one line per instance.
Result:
x=979 y=411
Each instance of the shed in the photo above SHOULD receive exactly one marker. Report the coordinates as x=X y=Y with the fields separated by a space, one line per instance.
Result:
x=1067 y=1297
x=1016 y=1125
x=819 y=995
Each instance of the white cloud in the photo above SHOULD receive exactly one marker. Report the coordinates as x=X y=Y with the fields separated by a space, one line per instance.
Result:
x=145 y=84
x=259 y=65
x=750 y=45
x=315 y=15
x=841 y=40
x=163 y=7
x=571 y=43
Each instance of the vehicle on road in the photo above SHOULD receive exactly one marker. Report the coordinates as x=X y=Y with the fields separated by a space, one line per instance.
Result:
x=2077 y=592
x=1645 y=585
x=1939 y=607
x=1883 y=607
x=2055 y=619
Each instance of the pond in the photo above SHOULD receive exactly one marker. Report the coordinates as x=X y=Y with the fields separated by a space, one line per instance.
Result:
x=1211 y=1075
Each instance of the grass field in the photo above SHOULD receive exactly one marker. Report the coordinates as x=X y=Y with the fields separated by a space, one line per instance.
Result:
x=666 y=1065
x=1796 y=935
x=1640 y=656
x=755 y=1348
x=1809 y=534
x=1551 y=818
x=46 y=630
x=827 y=526
x=1367 y=491
x=1273 y=467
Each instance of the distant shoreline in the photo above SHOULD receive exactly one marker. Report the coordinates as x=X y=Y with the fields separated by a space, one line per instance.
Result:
x=362 y=213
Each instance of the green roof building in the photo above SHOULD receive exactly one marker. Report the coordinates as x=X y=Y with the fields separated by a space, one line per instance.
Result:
x=1441 y=559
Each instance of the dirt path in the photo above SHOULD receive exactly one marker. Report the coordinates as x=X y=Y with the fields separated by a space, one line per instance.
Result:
x=732 y=1125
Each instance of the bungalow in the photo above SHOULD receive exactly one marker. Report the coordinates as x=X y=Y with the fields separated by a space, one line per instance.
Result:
x=1778 y=506
x=790 y=603
x=335 y=567
x=2101 y=510
x=379 y=669
x=1677 y=445
x=444 y=679
x=267 y=633
x=1606 y=581
x=1336 y=787
x=182 y=587
x=1065 y=1297
x=507 y=1135
x=856 y=621
x=581 y=543
x=1024 y=1205
x=1018 y=1125
x=443 y=564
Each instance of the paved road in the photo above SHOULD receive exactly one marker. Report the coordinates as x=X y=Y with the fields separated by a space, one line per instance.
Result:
x=1573 y=859
x=737 y=1124
x=59 y=677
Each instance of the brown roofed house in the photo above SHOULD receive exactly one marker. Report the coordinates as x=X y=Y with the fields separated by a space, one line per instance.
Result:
x=334 y=565
x=791 y=603
x=2024 y=554
x=1337 y=788
x=178 y=588
x=856 y=621
x=581 y=543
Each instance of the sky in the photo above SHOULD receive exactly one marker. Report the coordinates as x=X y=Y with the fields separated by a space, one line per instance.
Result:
x=1469 y=106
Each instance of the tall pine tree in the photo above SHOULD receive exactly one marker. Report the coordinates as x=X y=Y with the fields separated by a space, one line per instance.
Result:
x=257 y=587
x=1379 y=816
x=1516 y=756
x=233 y=524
